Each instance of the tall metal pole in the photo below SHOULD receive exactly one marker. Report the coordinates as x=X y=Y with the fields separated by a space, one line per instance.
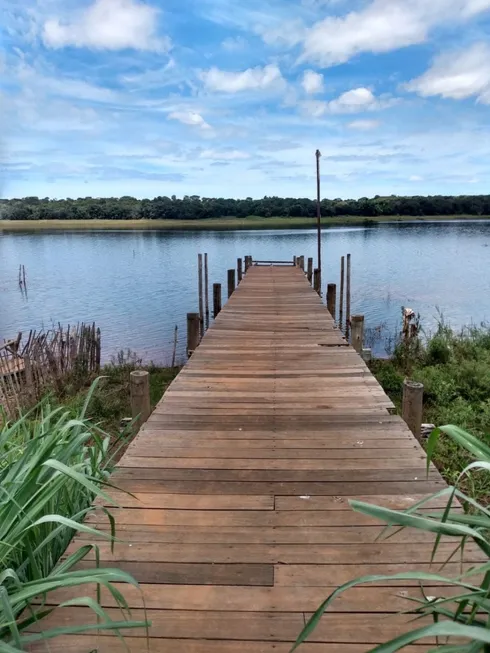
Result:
x=319 y=214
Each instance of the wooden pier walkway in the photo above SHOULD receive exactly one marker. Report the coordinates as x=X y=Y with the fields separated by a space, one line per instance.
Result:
x=240 y=525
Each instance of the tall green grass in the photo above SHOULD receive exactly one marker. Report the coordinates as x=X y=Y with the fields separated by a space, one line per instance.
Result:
x=52 y=466
x=466 y=613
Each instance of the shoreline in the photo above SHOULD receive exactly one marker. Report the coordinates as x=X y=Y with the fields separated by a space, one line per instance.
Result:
x=226 y=224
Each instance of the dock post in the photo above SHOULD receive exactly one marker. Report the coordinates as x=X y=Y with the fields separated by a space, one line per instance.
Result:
x=139 y=384
x=332 y=299
x=342 y=283
x=248 y=263
x=239 y=269
x=347 y=298
x=201 y=307
x=316 y=281
x=231 y=282
x=309 y=274
x=206 y=291
x=295 y=260
x=192 y=333
x=216 y=299
x=357 y=332
x=412 y=406
x=302 y=263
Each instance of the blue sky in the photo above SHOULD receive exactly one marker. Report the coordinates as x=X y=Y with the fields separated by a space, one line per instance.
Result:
x=222 y=98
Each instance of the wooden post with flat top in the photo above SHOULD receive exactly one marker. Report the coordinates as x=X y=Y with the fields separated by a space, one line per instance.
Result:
x=206 y=291
x=309 y=273
x=316 y=281
x=239 y=270
x=357 y=332
x=201 y=305
x=412 y=406
x=302 y=263
x=332 y=299
x=139 y=384
x=347 y=298
x=341 y=301
x=193 y=338
x=231 y=282
x=216 y=299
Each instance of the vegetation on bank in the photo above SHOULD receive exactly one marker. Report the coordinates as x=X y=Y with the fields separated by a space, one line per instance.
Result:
x=53 y=463
x=454 y=367
x=203 y=208
x=222 y=224
x=459 y=613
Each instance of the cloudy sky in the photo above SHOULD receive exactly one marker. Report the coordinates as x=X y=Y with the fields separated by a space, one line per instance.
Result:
x=230 y=98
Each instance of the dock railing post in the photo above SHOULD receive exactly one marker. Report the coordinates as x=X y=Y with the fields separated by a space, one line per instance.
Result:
x=347 y=297
x=206 y=291
x=302 y=263
x=295 y=261
x=231 y=282
x=201 y=306
x=239 y=270
x=309 y=273
x=139 y=384
x=316 y=281
x=341 y=299
x=216 y=299
x=332 y=299
x=192 y=332
x=412 y=406
x=357 y=332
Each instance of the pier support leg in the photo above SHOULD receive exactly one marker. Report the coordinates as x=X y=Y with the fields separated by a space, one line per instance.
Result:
x=412 y=406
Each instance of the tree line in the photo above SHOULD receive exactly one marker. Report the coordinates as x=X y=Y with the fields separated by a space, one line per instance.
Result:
x=197 y=208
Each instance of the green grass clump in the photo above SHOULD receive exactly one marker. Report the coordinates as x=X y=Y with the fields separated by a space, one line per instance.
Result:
x=52 y=466
x=454 y=367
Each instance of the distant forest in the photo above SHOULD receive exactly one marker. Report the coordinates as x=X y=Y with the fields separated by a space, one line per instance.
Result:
x=197 y=208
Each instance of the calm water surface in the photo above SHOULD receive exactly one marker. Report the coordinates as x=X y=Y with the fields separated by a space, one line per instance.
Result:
x=137 y=285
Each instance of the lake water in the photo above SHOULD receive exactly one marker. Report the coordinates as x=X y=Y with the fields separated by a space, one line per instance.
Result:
x=137 y=285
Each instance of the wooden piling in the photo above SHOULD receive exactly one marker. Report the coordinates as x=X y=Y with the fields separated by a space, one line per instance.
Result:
x=216 y=299
x=347 y=297
x=239 y=269
x=231 y=282
x=332 y=299
x=412 y=406
x=357 y=332
x=201 y=307
x=139 y=383
x=302 y=263
x=192 y=332
x=309 y=273
x=316 y=281
x=206 y=290
x=341 y=299
x=295 y=260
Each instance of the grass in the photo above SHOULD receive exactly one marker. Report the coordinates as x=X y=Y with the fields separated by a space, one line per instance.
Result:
x=110 y=402
x=226 y=223
x=464 y=611
x=53 y=463
x=455 y=370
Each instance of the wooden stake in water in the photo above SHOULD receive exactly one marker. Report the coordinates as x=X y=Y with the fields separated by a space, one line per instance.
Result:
x=192 y=333
x=206 y=290
x=239 y=269
x=231 y=282
x=347 y=298
x=201 y=308
x=341 y=299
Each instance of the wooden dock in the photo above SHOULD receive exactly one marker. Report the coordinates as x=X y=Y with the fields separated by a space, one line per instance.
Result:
x=240 y=525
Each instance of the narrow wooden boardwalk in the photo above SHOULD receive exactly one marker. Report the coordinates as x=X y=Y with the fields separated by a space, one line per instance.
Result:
x=240 y=525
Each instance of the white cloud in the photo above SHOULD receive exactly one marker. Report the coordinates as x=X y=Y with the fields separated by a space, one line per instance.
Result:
x=358 y=100
x=382 y=26
x=234 y=44
x=224 y=155
x=286 y=34
x=108 y=25
x=457 y=75
x=251 y=79
x=416 y=178
x=364 y=125
x=312 y=82
x=191 y=118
